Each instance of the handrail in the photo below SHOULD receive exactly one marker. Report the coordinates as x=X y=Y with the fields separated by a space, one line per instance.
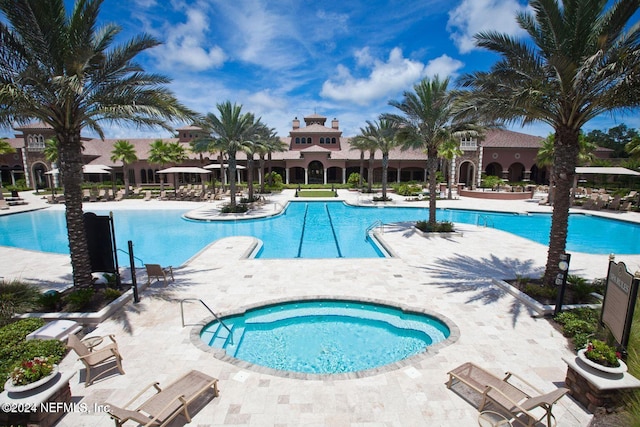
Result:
x=125 y=252
x=335 y=238
x=304 y=224
x=210 y=311
x=376 y=223
x=487 y=221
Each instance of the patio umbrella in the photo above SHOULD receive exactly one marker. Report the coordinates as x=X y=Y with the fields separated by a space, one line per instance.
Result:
x=184 y=169
x=217 y=166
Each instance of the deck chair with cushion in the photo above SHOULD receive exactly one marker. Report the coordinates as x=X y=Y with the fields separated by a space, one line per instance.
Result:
x=506 y=395
x=155 y=271
x=96 y=359
x=166 y=404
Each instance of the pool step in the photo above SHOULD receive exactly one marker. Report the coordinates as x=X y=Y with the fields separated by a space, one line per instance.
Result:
x=219 y=337
x=232 y=347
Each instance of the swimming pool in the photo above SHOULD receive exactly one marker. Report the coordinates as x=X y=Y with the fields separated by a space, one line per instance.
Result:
x=164 y=237
x=325 y=336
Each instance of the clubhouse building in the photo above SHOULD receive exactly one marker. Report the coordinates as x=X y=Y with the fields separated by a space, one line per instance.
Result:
x=317 y=154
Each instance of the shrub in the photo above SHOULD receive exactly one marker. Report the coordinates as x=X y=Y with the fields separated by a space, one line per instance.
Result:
x=79 y=299
x=354 y=180
x=50 y=300
x=240 y=208
x=540 y=291
x=580 y=287
x=438 y=227
x=408 y=189
x=274 y=181
x=17 y=297
x=110 y=294
x=491 y=181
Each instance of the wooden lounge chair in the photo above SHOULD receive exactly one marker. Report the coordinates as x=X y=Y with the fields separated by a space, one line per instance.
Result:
x=507 y=395
x=155 y=271
x=93 y=359
x=161 y=408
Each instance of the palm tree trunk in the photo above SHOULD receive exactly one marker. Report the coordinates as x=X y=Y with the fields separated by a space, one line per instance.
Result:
x=269 y=169
x=385 y=167
x=125 y=171
x=564 y=169
x=232 y=178
x=432 y=168
x=262 y=173
x=250 y=176
x=370 y=171
x=71 y=173
x=361 y=169
x=449 y=176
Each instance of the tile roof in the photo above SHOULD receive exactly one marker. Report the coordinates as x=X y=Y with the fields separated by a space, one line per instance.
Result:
x=314 y=128
x=506 y=139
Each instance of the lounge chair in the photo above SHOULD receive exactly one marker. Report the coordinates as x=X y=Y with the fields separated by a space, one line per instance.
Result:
x=161 y=408
x=94 y=358
x=3 y=204
x=155 y=271
x=147 y=195
x=507 y=395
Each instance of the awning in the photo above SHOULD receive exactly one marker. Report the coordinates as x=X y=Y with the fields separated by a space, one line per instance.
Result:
x=184 y=169
x=88 y=169
x=605 y=170
x=217 y=166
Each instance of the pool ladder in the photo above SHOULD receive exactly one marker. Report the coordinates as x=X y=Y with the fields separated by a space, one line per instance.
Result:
x=182 y=301
x=486 y=221
x=377 y=223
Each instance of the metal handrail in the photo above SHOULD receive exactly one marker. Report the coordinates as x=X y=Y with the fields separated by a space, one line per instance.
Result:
x=487 y=221
x=377 y=223
x=210 y=311
x=126 y=252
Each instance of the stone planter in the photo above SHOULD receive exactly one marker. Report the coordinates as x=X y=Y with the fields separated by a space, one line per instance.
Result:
x=607 y=369
x=28 y=387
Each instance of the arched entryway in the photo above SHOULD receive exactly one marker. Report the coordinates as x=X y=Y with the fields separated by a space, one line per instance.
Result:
x=467 y=174
x=39 y=178
x=316 y=172
x=494 y=169
x=516 y=172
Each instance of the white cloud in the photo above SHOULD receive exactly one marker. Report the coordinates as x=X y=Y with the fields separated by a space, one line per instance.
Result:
x=443 y=66
x=385 y=78
x=186 y=44
x=474 y=16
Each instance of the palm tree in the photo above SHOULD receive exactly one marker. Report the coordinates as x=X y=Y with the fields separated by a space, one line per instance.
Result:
x=231 y=128
x=448 y=151
x=381 y=135
x=582 y=60
x=160 y=153
x=546 y=154
x=271 y=143
x=125 y=152
x=360 y=144
x=364 y=142
x=5 y=148
x=65 y=71
x=428 y=122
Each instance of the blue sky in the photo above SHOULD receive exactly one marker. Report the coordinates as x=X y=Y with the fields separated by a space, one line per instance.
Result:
x=282 y=59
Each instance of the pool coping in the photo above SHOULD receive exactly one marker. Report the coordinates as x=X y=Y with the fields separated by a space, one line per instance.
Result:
x=221 y=354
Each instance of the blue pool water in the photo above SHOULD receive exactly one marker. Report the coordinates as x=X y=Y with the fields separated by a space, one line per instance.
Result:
x=327 y=230
x=325 y=337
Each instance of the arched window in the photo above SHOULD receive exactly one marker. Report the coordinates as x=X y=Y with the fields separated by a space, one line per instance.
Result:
x=333 y=140
x=321 y=140
x=304 y=140
x=297 y=140
x=309 y=140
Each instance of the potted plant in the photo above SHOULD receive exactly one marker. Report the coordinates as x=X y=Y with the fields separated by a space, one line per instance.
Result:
x=601 y=356
x=30 y=374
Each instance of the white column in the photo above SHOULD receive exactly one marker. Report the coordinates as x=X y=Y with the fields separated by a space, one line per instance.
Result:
x=324 y=175
x=306 y=175
x=25 y=165
x=479 y=171
x=286 y=175
x=344 y=175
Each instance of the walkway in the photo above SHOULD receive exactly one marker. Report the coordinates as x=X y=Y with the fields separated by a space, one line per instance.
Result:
x=449 y=276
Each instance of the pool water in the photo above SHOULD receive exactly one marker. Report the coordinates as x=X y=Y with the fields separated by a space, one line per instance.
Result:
x=325 y=337
x=304 y=230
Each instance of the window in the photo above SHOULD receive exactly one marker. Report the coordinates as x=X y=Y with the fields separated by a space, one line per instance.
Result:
x=333 y=140
x=297 y=140
x=35 y=143
x=322 y=140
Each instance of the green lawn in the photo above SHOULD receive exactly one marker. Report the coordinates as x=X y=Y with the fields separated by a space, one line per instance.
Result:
x=316 y=193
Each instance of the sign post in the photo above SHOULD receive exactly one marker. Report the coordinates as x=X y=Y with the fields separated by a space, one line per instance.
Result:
x=561 y=280
x=619 y=301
